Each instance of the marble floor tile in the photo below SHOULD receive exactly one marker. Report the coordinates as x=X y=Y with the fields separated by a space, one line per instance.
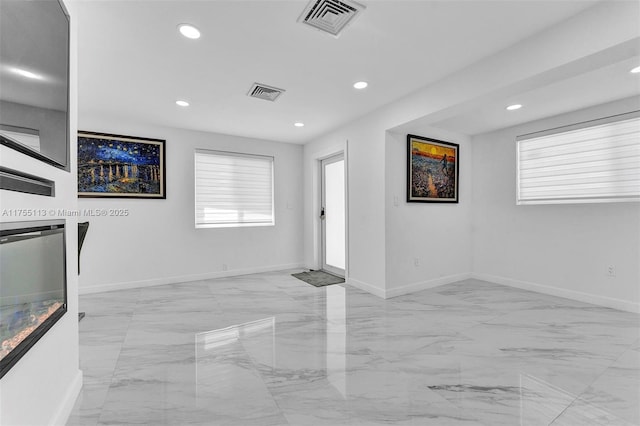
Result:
x=617 y=389
x=268 y=349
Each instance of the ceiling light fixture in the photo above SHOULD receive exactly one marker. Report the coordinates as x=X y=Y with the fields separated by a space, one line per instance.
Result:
x=27 y=74
x=360 y=85
x=182 y=103
x=636 y=70
x=298 y=124
x=189 y=31
x=514 y=107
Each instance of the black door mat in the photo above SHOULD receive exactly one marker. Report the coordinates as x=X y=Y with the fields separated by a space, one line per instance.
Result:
x=318 y=278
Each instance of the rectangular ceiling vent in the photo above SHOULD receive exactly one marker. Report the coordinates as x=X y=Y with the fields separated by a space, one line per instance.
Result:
x=330 y=16
x=262 y=91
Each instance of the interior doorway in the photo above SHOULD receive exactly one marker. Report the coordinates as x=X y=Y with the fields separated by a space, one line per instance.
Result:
x=332 y=215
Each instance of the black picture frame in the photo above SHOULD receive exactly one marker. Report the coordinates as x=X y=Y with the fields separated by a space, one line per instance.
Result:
x=433 y=170
x=119 y=166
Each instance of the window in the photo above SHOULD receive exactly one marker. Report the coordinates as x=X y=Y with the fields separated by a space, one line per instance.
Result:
x=598 y=161
x=233 y=189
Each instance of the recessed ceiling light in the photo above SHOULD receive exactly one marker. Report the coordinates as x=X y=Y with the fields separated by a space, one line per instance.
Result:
x=360 y=85
x=636 y=70
x=27 y=74
x=514 y=107
x=298 y=124
x=189 y=31
x=182 y=103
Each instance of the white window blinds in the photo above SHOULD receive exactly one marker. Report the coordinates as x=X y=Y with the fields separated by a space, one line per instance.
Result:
x=594 y=162
x=233 y=189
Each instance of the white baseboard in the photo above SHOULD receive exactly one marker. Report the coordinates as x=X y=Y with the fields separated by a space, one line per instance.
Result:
x=376 y=291
x=424 y=285
x=69 y=401
x=101 y=288
x=609 y=302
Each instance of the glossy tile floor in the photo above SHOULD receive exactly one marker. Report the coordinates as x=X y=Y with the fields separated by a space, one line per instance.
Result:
x=268 y=349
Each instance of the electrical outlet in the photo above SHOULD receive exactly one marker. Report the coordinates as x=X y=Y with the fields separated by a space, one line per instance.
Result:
x=611 y=271
x=224 y=266
x=396 y=200
x=416 y=262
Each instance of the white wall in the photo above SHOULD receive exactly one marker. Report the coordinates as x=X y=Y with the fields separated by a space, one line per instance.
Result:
x=363 y=142
x=557 y=249
x=158 y=243
x=437 y=234
x=42 y=387
x=546 y=57
x=382 y=241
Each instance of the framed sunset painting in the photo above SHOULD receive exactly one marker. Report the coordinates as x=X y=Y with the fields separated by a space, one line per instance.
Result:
x=432 y=170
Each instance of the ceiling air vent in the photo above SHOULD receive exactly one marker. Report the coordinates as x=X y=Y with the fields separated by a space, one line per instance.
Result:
x=262 y=91
x=330 y=16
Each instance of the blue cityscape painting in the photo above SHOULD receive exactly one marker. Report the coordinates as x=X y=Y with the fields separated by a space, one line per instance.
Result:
x=120 y=166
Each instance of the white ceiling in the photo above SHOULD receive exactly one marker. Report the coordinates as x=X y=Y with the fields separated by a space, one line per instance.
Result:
x=133 y=64
x=591 y=88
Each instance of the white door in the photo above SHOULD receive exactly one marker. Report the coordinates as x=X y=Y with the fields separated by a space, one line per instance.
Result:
x=332 y=215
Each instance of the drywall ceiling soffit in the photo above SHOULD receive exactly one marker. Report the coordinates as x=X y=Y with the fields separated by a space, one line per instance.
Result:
x=582 y=91
x=590 y=81
x=566 y=68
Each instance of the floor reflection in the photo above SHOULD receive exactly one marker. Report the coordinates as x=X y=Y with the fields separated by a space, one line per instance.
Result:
x=337 y=337
x=208 y=340
x=221 y=362
x=468 y=353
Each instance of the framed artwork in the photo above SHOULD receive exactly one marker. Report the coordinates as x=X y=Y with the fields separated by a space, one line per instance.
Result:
x=119 y=166
x=432 y=170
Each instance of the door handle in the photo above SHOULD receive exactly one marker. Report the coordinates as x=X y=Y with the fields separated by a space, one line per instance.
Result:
x=322 y=213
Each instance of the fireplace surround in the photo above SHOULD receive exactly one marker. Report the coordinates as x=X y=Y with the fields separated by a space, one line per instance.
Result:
x=33 y=285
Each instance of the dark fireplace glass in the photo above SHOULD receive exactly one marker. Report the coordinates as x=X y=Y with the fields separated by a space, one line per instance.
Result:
x=33 y=285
